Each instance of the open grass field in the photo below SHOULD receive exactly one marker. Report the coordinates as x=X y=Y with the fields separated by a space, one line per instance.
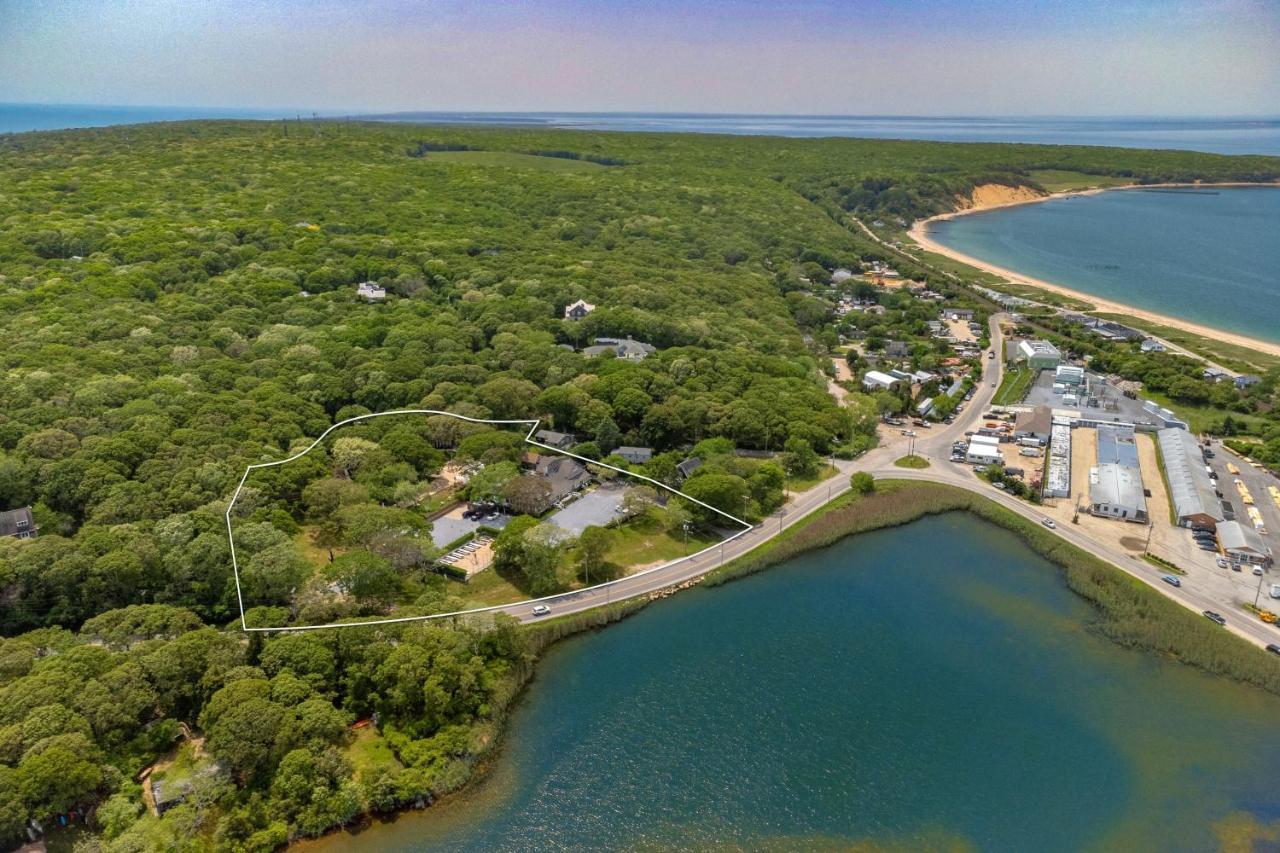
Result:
x=1228 y=355
x=1058 y=180
x=800 y=484
x=369 y=752
x=512 y=160
x=1017 y=381
x=643 y=541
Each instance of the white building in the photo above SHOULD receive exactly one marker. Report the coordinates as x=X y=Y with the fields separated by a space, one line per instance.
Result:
x=875 y=379
x=1039 y=355
x=1069 y=374
x=370 y=292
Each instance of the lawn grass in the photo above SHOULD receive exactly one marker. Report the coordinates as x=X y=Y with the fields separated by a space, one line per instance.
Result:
x=512 y=160
x=368 y=752
x=912 y=461
x=800 y=484
x=1014 y=386
x=315 y=555
x=1059 y=180
x=643 y=540
x=1204 y=418
x=1233 y=356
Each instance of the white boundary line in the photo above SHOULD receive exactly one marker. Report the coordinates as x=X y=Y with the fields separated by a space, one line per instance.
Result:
x=235 y=566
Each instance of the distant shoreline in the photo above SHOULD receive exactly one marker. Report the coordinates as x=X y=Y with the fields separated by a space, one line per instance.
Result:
x=919 y=233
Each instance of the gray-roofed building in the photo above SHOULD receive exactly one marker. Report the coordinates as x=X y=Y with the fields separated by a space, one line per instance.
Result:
x=626 y=348
x=561 y=440
x=635 y=455
x=688 y=466
x=1115 y=483
x=1243 y=544
x=18 y=523
x=1195 y=502
x=564 y=474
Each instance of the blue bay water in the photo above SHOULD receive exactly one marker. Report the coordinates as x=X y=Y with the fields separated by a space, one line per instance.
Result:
x=931 y=684
x=1207 y=256
x=1223 y=136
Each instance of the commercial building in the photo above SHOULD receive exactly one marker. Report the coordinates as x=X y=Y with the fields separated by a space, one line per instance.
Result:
x=1115 y=483
x=982 y=453
x=1243 y=544
x=1195 y=501
x=1039 y=355
x=874 y=379
x=1069 y=374
x=1057 y=482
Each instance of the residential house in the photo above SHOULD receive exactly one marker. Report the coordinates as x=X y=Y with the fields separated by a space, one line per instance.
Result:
x=965 y=314
x=629 y=349
x=551 y=438
x=1214 y=374
x=897 y=349
x=18 y=523
x=578 y=310
x=635 y=455
x=688 y=466
x=370 y=292
x=1151 y=345
x=1246 y=380
x=564 y=475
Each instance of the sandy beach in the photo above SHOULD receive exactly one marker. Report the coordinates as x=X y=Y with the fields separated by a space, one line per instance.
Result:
x=990 y=201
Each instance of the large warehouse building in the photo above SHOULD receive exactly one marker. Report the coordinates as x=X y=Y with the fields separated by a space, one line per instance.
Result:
x=1115 y=483
x=1195 y=502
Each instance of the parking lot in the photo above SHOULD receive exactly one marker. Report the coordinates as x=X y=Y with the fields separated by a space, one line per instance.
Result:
x=452 y=526
x=596 y=507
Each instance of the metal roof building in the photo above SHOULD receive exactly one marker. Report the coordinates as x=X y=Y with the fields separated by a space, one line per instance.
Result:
x=1115 y=484
x=1243 y=544
x=1195 y=502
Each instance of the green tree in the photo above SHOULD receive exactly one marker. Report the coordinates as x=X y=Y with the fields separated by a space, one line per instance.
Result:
x=862 y=483
x=593 y=545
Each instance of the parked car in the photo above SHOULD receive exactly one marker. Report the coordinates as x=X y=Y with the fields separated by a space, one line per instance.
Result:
x=1273 y=648
x=1171 y=580
x=1214 y=617
x=1257 y=572
x=1222 y=564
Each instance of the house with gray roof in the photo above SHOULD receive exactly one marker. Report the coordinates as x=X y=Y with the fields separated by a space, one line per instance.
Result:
x=18 y=523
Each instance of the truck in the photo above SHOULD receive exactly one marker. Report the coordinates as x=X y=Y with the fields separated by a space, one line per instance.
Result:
x=1029 y=451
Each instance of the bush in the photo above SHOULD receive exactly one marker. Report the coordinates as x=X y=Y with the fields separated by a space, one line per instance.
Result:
x=862 y=483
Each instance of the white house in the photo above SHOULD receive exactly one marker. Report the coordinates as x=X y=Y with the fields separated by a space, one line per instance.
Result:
x=370 y=292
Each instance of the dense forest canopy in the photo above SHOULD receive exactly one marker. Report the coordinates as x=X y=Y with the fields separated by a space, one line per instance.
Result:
x=178 y=301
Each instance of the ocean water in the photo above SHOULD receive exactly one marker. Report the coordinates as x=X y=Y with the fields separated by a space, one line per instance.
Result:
x=931 y=684
x=19 y=118
x=1224 y=136
x=1208 y=256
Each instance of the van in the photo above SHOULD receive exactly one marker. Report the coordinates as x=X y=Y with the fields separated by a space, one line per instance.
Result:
x=1275 y=590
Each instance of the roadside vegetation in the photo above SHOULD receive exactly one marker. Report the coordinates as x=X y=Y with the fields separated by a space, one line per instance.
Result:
x=1129 y=612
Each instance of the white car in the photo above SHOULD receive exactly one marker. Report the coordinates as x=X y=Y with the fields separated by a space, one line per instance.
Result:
x=1048 y=522
x=1222 y=564
x=541 y=610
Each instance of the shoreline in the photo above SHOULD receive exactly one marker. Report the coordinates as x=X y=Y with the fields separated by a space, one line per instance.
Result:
x=1124 y=608
x=919 y=233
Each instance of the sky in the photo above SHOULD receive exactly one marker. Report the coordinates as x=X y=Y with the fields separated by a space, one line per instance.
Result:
x=878 y=57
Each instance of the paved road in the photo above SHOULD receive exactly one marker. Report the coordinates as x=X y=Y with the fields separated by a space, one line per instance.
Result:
x=934 y=444
x=879 y=461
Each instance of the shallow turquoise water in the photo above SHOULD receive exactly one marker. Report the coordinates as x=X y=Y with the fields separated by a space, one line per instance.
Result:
x=932 y=682
x=1210 y=257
